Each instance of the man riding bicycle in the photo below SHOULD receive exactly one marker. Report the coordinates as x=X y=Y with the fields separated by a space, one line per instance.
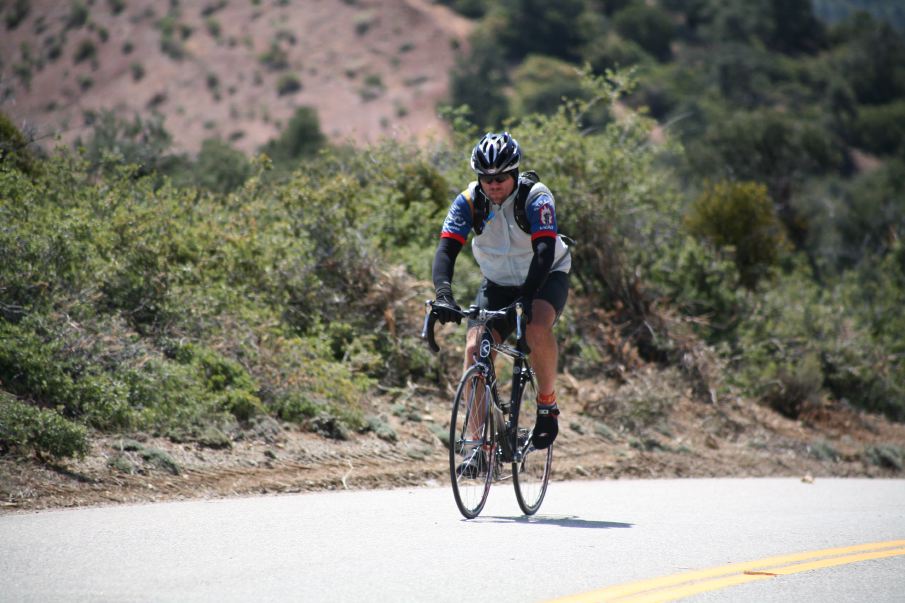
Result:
x=521 y=256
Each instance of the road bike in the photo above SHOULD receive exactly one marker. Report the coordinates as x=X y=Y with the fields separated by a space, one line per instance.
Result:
x=490 y=433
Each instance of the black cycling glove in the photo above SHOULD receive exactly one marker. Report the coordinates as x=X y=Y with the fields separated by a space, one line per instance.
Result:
x=445 y=307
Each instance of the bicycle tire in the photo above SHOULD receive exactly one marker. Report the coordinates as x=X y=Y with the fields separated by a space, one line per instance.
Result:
x=531 y=473
x=472 y=447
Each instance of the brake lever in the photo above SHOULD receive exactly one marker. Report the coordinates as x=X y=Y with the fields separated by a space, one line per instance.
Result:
x=427 y=331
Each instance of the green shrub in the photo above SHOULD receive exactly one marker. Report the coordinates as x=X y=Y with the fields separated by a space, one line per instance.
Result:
x=137 y=70
x=213 y=27
x=275 y=59
x=301 y=137
x=78 y=15
x=739 y=216
x=25 y=429
x=16 y=12
x=85 y=51
x=888 y=456
x=38 y=369
x=288 y=83
x=701 y=283
x=161 y=460
x=802 y=341
x=14 y=147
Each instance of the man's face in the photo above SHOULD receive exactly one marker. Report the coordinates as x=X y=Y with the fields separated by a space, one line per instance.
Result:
x=497 y=187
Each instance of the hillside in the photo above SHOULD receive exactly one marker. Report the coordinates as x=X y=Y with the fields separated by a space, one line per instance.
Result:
x=230 y=70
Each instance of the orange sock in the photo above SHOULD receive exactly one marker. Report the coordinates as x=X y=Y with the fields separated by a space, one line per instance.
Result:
x=546 y=400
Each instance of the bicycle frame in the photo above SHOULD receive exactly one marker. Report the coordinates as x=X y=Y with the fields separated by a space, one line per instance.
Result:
x=501 y=440
x=521 y=373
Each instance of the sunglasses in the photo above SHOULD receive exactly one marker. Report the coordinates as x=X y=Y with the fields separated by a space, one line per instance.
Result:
x=497 y=178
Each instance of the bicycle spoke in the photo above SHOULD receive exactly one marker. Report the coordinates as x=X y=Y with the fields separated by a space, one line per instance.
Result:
x=472 y=450
x=531 y=472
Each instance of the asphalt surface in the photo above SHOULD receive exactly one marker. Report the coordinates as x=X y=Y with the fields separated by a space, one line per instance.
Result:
x=412 y=545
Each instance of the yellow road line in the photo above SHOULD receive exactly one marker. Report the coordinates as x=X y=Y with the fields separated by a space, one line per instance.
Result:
x=670 y=588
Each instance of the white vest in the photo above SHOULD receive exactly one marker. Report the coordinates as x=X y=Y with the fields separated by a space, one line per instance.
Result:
x=503 y=250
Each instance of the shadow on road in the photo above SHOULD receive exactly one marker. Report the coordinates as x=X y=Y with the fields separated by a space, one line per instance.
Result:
x=563 y=522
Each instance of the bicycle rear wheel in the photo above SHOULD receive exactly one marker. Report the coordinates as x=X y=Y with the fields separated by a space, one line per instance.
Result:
x=531 y=473
x=472 y=448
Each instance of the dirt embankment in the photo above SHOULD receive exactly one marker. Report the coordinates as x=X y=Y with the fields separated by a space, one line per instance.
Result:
x=692 y=439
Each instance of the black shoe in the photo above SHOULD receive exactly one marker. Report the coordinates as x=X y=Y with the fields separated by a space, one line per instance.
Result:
x=546 y=427
x=473 y=466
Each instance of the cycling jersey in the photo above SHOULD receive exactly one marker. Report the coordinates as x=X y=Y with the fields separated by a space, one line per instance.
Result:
x=503 y=251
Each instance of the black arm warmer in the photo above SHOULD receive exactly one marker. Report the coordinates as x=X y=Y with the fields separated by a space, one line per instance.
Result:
x=540 y=265
x=445 y=263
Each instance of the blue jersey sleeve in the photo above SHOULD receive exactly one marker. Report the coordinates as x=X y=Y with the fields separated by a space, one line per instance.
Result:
x=541 y=215
x=458 y=221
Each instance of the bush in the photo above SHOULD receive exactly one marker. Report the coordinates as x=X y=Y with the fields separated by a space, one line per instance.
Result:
x=302 y=137
x=275 y=59
x=14 y=147
x=78 y=15
x=85 y=51
x=25 y=429
x=701 y=282
x=39 y=370
x=16 y=13
x=800 y=342
x=739 y=217
x=288 y=84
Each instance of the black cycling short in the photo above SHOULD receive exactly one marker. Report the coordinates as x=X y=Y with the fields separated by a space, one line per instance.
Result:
x=492 y=296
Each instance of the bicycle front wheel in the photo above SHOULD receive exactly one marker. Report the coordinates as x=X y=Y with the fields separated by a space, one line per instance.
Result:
x=471 y=445
x=531 y=470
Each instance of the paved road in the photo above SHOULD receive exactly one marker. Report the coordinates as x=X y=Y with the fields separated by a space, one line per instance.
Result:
x=411 y=545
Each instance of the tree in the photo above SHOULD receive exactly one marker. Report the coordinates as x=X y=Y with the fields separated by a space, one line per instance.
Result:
x=479 y=78
x=650 y=27
x=872 y=59
x=301 y=138
x=541 y=27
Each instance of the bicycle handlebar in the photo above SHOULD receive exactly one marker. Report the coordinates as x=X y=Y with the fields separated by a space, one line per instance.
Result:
x=473 y=312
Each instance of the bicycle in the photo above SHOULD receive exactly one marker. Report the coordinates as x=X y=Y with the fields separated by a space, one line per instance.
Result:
x=488 y=433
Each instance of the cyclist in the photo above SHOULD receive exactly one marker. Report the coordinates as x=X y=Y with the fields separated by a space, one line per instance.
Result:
x=521 y=257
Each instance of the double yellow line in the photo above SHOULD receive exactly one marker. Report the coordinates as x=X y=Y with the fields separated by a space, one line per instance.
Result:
x=670 y=588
